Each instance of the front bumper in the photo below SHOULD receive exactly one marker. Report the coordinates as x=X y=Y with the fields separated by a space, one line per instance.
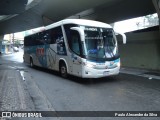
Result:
x=98 y=73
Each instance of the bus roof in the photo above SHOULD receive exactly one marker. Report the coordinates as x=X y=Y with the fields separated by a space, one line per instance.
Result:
x=75 y=21
x=79 y=22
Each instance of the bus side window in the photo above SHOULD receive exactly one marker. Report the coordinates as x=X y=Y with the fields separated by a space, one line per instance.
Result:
x=33 y=40
x=38 y=39
x=26 y=41
x=56 y=35
x=46 y=37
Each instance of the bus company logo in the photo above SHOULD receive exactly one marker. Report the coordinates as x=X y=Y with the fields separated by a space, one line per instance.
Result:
x=6 y=114
x=91 y=29
x=40 y=51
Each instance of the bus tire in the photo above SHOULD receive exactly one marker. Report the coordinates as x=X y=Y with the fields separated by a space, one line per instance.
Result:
x=63 y=70
x=31 y=62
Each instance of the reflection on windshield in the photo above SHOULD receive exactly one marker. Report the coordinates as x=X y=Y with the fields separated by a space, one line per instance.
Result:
x=100 y=43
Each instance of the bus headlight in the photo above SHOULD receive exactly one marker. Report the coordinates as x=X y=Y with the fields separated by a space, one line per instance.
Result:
x=89 y=65
x=118 y=64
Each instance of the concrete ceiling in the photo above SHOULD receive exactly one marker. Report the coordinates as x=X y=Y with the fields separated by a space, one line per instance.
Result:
x=117 y=11
x=35 y=13
x=8 y=7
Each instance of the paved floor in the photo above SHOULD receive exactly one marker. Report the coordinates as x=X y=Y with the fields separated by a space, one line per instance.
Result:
x=150 y=74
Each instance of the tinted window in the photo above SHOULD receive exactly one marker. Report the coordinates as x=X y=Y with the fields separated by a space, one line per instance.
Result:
x=55 y=35
x=30 y=40
x=46 y=37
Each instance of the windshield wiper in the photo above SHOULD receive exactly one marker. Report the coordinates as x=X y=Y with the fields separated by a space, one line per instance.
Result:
x=109 y=49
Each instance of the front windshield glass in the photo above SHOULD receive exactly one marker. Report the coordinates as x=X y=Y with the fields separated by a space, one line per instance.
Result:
x=100 y=43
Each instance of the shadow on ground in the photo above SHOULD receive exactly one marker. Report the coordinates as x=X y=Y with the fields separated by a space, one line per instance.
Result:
x=84 y=81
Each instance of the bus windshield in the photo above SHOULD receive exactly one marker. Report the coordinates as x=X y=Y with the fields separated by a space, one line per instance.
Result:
x=100 y=44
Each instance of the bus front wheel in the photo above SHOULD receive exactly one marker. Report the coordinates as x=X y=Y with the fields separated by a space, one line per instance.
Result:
x=63 y=70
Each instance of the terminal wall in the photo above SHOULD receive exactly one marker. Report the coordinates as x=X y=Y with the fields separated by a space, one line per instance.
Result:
x=141 y=51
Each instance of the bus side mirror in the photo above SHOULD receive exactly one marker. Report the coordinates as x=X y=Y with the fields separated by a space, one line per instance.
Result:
x=123 y=37
x=80 y=30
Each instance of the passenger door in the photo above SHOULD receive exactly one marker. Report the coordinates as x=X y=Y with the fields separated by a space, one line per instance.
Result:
x=75 y=59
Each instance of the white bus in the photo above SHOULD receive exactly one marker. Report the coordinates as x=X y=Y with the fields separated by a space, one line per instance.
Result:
x=82 y=48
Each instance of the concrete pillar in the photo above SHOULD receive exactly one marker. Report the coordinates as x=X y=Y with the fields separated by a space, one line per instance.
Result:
x=157 y=6
x=1 y=39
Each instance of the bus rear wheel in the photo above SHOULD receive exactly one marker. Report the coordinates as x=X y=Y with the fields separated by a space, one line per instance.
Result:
x=31 y=63
x=63 y=70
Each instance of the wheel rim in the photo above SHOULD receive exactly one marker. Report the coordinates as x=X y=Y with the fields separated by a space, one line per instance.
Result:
x=63 y=71
x=31 y=63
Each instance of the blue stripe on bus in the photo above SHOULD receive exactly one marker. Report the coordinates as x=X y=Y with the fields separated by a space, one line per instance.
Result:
x=117 y=60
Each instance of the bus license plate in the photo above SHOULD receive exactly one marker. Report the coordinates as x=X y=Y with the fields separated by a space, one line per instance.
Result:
x=105 y=72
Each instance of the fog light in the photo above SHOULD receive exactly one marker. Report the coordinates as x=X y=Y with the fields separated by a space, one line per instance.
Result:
x=86 y=72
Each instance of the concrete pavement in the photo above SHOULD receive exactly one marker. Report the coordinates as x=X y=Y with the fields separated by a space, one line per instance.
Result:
x=25 y=88
x=150 y=74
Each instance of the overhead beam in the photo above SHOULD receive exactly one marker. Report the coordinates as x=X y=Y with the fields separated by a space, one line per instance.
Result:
x=8 y=7
x=122 y=10
x=55 y=10
x=48 y=11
